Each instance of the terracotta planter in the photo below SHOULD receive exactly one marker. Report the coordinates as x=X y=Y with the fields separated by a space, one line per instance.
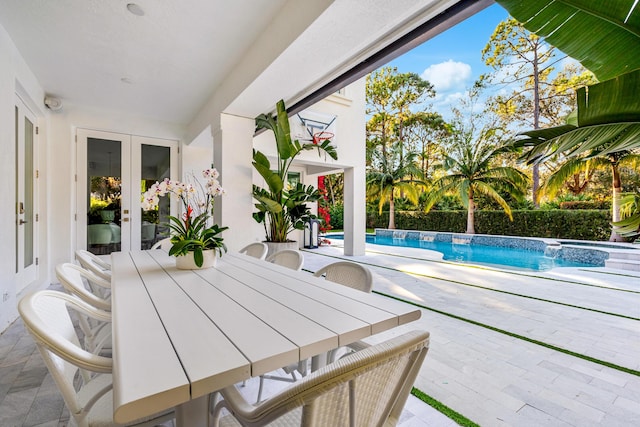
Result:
x=186 y=262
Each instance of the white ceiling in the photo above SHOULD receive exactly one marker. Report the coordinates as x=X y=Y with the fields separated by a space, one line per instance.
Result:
x=166 y=64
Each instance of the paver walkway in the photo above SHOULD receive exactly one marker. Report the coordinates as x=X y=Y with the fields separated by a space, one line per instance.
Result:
x=480 y=362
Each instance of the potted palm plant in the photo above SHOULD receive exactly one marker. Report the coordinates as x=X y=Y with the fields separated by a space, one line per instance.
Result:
x=282 y=207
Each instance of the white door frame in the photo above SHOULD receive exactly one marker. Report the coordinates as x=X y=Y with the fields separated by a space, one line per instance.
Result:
x=131 y=215
x=26 y=216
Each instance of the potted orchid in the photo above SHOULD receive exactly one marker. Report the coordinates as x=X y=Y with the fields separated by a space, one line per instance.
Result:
x=194 y=237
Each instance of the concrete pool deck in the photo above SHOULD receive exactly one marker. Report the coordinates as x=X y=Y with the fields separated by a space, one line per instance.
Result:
x=517 y=348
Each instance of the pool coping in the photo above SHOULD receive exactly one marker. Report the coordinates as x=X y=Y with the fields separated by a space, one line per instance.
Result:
x=582 y=251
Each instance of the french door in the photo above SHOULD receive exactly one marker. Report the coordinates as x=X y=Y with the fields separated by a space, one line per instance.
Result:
x=113 y=171
x=25 y=195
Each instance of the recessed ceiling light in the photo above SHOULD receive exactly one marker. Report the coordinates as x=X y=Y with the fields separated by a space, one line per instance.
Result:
x=135 y=9
x=126 y=80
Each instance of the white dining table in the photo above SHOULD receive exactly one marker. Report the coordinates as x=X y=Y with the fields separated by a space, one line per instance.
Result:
x=179 y=335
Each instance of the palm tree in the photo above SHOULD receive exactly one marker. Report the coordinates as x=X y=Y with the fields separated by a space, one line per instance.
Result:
x=396 y=174
x=471 y=171
x=612 y=160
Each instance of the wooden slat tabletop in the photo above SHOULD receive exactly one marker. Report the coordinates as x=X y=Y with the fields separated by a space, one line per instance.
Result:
x=180 y=334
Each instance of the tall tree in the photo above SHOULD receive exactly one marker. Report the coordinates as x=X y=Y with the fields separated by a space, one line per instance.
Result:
x=424 y=132
x=523 y=63
x=390 y=98
x=395 y=173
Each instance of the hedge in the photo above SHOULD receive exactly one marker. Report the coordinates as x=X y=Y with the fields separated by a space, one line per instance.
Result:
x=556 y=223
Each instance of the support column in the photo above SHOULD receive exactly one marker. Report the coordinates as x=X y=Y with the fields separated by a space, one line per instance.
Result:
x=354 y=211
x=232 y=155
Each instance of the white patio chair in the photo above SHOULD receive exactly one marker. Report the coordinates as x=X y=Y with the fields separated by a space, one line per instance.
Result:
x=71 y=277
x=94 y=264
x=368 y=388
x=289 y=258
x=97 y=335
x=46 y=317
x=349 y=274
x=164 y=244
x=354 y=276
x=257 y=250
x=292 y=259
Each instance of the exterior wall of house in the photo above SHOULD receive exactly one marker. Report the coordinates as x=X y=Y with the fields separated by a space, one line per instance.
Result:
x=349 y=109
x=15 y=78
x=61 y=140
x=56 y=163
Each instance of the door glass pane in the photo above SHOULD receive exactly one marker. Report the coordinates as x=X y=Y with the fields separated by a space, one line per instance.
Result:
x=104 y=175
x=29 y=216
x=17 y=206
x=156 y=166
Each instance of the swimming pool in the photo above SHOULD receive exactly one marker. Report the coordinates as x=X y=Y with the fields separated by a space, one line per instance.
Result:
x=504 y=256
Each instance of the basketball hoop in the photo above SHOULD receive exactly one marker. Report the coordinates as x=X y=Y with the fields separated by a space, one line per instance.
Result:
x=319 y=137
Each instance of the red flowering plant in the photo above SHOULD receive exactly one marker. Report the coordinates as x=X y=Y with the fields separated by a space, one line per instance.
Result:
x=323 y=206
x=195 y=230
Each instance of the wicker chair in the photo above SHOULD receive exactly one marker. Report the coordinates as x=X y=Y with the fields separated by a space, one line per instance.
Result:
x=367 y=388
x=292 y=259
x=97 y=335
x=349 y=274
x=354 y=276
x=71 y=277
x=95 y=259
x=257 y=250
x=164 y=244
x=289 y=258
x=46 y=317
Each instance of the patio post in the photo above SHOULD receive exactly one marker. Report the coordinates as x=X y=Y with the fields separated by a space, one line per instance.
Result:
x=354 y=211
x=232 y=155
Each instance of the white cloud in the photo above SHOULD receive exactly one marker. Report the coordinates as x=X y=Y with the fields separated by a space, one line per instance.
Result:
x=448 y=76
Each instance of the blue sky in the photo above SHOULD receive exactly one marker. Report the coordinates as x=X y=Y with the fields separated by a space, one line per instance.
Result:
x=452 y=61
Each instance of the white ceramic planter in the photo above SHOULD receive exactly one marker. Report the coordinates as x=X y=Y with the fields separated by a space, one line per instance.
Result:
x=278 y=246
x=186 y=262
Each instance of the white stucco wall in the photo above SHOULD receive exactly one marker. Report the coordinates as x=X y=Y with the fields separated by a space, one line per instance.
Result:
x=350 y=144
x=61 y=140
x=56 y=163
x=15 y=75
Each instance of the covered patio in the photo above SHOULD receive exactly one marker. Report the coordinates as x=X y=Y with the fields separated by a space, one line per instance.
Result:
x=508 y=348
x=555 y=348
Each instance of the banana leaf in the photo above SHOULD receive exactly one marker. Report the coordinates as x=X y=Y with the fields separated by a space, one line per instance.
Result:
x=603 y=35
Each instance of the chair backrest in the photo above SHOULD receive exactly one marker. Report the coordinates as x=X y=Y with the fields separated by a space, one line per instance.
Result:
x=94 y=264
x=46 y=317
x=164 y=244
x=71 y=277
x=289 y=258
x=367 y=388
x=349 y=274
x=257 y=250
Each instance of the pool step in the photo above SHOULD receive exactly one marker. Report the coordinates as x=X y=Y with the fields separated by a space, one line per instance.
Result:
x=624 y=260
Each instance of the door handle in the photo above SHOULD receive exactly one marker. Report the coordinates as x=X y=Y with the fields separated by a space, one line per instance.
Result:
x=22 y=221
x=125 y=219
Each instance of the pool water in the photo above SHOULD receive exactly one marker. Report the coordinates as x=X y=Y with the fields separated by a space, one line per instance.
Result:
x=480 y=254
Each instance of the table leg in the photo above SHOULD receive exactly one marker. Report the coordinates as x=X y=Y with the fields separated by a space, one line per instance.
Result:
x=194 y=413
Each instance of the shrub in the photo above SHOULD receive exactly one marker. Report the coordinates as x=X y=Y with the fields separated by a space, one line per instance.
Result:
x=337 y=216
x=558 y=223
x=585 y=204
